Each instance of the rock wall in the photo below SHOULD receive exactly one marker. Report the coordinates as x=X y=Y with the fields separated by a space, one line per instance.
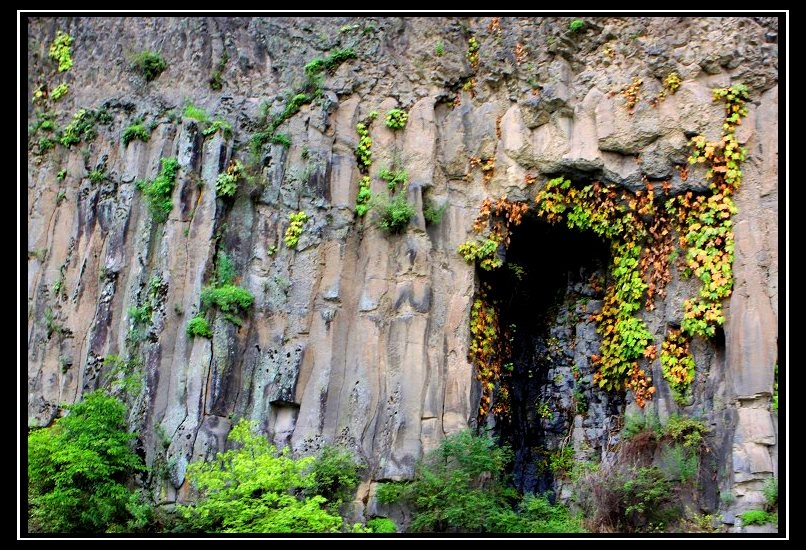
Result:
x=358 y=337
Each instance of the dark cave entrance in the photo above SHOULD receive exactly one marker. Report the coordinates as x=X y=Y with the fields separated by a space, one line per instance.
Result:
x=547 y=275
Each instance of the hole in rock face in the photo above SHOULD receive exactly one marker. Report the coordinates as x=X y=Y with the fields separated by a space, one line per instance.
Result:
x=539 y=289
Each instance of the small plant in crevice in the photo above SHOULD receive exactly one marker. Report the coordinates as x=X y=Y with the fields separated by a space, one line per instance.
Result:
x=576 y=25
x=224 y=295
x=196 y=113
x=296 y=223
x=227 y=182
x=61 y=51
x=395 y=179
x=630 y=93
x=396 y=119
x=394 y=214
x=137 y=130
x=363 y=151
x=487 y=166
x=148 y=63
x=472 y=53
x=439 y=48
x=217 y=125
x=59 y=91
x=97 y=175
x=81 y=128
x=774 y=400
x=281 y=139
x=216 y=80
x=433 y=212
x=364 y=197
x=758 y=517
x=159 y=190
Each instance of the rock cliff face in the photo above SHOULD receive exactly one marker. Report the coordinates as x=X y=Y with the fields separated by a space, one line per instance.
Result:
x=356 y=336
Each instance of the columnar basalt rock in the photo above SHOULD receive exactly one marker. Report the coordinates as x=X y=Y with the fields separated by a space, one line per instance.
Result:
x=355 y=336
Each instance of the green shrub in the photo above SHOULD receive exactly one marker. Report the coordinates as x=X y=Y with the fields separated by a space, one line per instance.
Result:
x=394 y=178
x=135 y=130
x=228 y=298
x=363 y=151
x=253 y=488
x=535 y=514
x=216 y=125
x=97 y=175
x=61 y=50
x=149 y=63
x=382 y=525
x=336 y=474
x=576 y=25
x=758 y=517
x=396 y=119
x=457 y=487
x=770 y=492
x=198 y=326
x=439 y=49
x=294 y=230
x=80 y=128
x=79 y=471
x=281 y=139
x=395 y=215
x=158 y=191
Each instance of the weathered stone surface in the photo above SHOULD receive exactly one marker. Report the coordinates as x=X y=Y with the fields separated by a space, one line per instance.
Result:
x=355 y=336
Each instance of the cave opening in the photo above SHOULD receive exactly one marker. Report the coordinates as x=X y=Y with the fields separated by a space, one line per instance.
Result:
x=545 y=288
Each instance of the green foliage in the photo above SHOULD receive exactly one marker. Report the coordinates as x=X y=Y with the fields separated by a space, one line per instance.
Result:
x=770 y=492
x=394 y=178
x=439 y=49
x=61 y=175
x=216 y=125
x=396 y=119
x=535 y=514
x=330 y=63
x=645 y=494
x=336 y=475
x=80 y=128
x=253 y=488
x=395 y=214
x=158 y=191
x=457 y=487
x=59 y=91
x=224 y=269
x=472 y=53
x=216 y=80
x=281 y=139
x=382 y=525
x=198 y=326
x=227 y=182
x=774 y=402
x=135 y=130
x=758 y=517
x=485 y=252
x=149 y=63
x=61 y=50
x=363 y=151
x=576 y=25
x=79 y=469
x=97 y=175
x=294 y=230
x=196 y=113
x=364 y=197
x=228 y=298
x=433 y=213
x=680 y=463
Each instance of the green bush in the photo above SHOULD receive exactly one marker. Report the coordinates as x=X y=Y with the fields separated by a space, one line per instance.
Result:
x=336 y=474
x=198 y=326
x=394 y=178
x=576 y=25
x=135 y=130
x=228 y=298
x=216 y=125
x=79 y=471
x=253 y=488
x=396 y=119
x=770 y=492
x=59 y=91
x=362 y=200
x=61 y=50
x=227 y=182
x=80 y=128
x=758 y=517
x=382 y=525
x=395 y=214
x=433 y=213
x=149 y=63
x=158 y=191
x=196 y=113
x=294 y=230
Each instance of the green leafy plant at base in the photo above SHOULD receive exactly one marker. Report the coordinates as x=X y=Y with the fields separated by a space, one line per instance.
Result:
x=61 y=50
x=336 y=474
x=196 y=113
x=79 y=471
x=149 y=63
x=254 y=488
x=228 y=298
x=135 y=130
x=97 y=175
x=198 y=326
x=158 y=191
x=294 y=230
x=576 y=25
x=382 y=525
x=396 y=119
x=80 y=128
x=758 y=517
x=216 y=125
